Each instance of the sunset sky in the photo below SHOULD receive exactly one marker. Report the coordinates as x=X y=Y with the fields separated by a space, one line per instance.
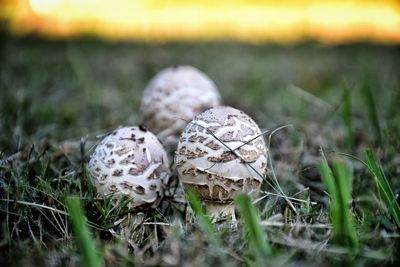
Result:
x=328 y=21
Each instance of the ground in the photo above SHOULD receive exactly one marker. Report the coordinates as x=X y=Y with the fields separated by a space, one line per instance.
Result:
x=326 y=103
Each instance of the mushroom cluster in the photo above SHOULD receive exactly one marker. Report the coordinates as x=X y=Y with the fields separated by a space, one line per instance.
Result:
x=130 y=163
x=221 y=152
x=173 y=97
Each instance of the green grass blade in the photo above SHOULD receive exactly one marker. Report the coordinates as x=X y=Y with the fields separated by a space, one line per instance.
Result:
x=256 y=236
x=372 y=112
x=204 y=220
x=347 y=119
x=344 y=183
x=90 y=254
x=384 y=190
x=329 y=182
x=339 y=187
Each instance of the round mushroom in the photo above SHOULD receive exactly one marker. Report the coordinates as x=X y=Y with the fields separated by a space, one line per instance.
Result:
x=173 y=97
x=221 y=152
x=131 y=163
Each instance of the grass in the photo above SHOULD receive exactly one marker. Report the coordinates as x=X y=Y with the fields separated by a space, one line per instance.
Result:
x=346 y=114
x=204 y=221
x=372 y=112
x=86 y=244
x=339 y=186
x=258 y=244
x=383 y=187
x=58 y=98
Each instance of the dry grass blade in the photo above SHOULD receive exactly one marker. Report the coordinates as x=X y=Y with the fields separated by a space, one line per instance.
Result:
x=35 y=205
x=295 y=225
x=272 y=167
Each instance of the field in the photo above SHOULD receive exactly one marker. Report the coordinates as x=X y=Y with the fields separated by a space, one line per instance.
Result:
x=331 y=195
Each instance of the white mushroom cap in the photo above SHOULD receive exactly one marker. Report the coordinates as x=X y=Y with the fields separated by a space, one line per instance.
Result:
x=130 y=162
x=173 y=97
x=207 y=166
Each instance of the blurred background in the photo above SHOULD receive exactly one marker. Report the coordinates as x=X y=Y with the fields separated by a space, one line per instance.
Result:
x=283 y=62
x=329 y=21
x=313 y=64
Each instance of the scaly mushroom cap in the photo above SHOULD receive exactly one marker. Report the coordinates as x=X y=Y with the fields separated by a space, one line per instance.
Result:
x=130 y=162
x=205 y=163
x=173 y=97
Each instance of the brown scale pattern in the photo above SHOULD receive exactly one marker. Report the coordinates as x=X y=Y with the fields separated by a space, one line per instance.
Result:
x=248 y=155
x=124 y=154
x=213 y=145
x=220 y=187
x=123 y=151
x=139 y=189
x=225 y=157
x=153 y=187
x=130 y=159
x=118 y=173
x=197 y=138
x=126 y=185
x=192 y=154
x=215 y=193
x=191 y=171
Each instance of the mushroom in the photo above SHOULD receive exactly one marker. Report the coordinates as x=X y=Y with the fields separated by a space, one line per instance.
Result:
x=173 y=97
x=221 y=152
x=130 y=162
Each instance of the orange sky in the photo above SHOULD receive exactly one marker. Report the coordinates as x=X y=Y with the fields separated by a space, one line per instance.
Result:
x=328 y=21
